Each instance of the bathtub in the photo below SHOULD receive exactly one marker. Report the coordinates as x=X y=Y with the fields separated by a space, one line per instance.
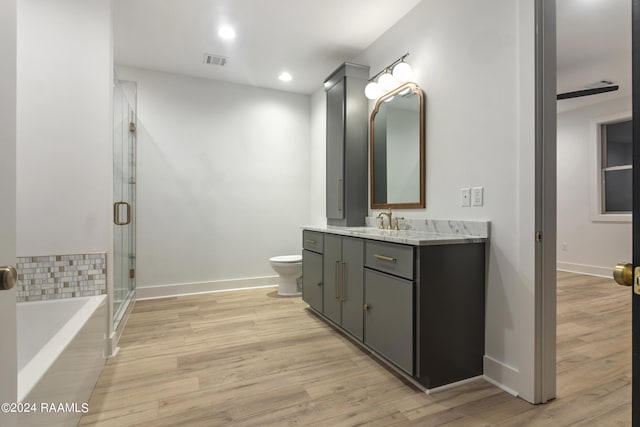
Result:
x=61 y=352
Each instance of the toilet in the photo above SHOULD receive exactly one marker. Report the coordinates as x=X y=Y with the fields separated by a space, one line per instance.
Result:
x=289 y=268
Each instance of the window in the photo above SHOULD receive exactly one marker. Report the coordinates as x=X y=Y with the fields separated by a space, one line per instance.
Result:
x=616 y=144
x=611 y=152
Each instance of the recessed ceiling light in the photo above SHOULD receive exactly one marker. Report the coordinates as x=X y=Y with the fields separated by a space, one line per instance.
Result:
x=285 y=77
x=227 y=32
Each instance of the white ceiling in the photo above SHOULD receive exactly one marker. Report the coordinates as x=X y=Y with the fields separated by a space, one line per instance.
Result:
x=594 y=43
x=310 y=39
x=307 y=38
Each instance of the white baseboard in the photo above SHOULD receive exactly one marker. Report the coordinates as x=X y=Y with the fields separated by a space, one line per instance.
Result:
x=180 y=289
x=501 y=375
x=590 y=270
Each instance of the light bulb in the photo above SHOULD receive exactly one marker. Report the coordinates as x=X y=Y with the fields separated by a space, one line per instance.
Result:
x=387 y=82
x=402 y=72
x=285 y=77
x=227 y=33
x=373 y=90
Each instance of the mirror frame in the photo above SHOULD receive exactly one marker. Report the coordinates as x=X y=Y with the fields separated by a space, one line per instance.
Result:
x=420 y=204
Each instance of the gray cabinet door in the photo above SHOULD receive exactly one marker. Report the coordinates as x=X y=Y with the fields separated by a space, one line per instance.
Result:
x=351 y=291
x=332 y=276
x=335 y=150
x=388 y=318
x=312 y=279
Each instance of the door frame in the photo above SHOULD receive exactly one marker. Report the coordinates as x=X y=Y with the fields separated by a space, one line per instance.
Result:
x=545 y=202
x=8 y=321
x=545 y=253
x=635 y=298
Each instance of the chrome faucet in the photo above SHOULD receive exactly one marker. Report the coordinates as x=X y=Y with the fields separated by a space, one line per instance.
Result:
x=389 y=215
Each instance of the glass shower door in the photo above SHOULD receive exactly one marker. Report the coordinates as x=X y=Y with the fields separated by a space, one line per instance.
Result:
x=124 y=194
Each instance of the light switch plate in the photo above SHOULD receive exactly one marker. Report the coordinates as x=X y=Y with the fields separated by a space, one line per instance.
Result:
x=465 y=197
x=477 y=196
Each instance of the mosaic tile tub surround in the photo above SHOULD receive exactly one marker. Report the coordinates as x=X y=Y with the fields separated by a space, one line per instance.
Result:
x=61 y=276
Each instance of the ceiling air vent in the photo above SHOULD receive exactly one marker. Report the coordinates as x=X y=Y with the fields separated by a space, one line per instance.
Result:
x=211 y=59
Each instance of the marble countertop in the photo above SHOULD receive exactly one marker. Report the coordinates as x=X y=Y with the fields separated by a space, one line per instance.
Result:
x=407 y=237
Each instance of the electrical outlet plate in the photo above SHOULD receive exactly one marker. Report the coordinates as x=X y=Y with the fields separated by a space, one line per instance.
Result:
x=477 y=196
x=465 y=197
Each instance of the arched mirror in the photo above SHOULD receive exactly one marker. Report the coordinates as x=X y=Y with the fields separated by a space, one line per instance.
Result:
x=397 y=149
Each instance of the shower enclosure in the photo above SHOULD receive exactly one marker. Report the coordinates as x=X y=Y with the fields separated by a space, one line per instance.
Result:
x=124 y=200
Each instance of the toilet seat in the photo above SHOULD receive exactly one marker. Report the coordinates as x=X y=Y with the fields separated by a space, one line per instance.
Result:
x=286 y=258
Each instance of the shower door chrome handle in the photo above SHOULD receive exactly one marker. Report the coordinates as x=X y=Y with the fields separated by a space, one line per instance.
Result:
x=8 y=277
x=116 y=213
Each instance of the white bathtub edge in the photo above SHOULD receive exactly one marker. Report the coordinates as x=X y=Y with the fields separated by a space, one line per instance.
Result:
x=35 y=369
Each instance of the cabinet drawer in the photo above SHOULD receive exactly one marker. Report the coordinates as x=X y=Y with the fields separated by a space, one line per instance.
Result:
x=313 y=241
x=390 y=258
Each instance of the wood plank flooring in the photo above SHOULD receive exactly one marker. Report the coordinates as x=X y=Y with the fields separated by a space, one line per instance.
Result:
x=250 y=358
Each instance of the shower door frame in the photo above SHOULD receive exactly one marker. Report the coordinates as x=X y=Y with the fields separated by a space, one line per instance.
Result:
x=124 y=206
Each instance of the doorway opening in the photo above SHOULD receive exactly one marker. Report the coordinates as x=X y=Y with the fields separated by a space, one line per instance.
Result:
x=593 y=230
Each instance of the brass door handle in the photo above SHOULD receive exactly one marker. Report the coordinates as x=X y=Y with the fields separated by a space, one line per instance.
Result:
x=116 y=213
x=8 y=278
x=623 y=274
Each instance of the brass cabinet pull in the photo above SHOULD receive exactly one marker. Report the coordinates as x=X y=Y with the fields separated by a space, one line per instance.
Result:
x=116 y=213
x=319 y=283
x=385 y=258
x=342 y=282
x=335 y=284
x=366 y=307
x=311 y=242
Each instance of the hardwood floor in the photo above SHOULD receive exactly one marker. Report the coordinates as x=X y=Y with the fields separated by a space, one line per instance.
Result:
x=249 y=358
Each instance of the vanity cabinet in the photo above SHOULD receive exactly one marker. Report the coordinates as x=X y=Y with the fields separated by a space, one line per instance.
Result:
x=312 y=284
x=388 y=319
x=343 y=276
x=389 y=288
x=418 y=307
x=347 y=118
x=312 y=279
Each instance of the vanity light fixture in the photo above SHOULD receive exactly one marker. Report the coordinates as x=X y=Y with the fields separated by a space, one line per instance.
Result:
x=285 y=77
x=393 y=75
x=387 y=82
